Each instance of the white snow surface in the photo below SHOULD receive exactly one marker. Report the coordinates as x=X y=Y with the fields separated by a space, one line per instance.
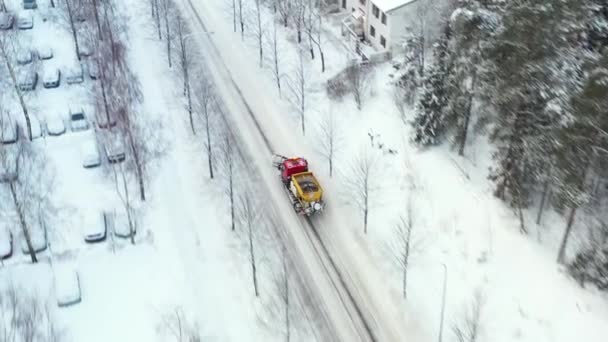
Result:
x=186 y=257
x=458 y=221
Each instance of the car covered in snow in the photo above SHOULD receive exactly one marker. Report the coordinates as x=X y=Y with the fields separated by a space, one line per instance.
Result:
x=74 y=75
x=55 y=125
x=84 y=50
x=37 y=237
x=30 y=4
x=6 y=240
x=115 y=151
x=93 y=69
x=27 y=80
x=78 y=120
x=67 y=286
x=9 y=132
x=90 y=154
x=25 y=21
x=24 y=56
x=51 y=78
x=6 y=21
x=45 y=53
x=95 y=228
x=36 y=127
x=104 y=122
x=120 y=224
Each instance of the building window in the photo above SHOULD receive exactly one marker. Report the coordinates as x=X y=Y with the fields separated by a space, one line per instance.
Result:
x=375 y=11
x=344 y=4
x=372 y=31
x=383 y=41
x=362 y=2
x=384 y=18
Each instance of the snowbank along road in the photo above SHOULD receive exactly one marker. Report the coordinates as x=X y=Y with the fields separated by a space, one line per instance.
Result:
x=347 y=307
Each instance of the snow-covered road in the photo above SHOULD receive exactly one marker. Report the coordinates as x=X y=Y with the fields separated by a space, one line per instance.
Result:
x=342 y=275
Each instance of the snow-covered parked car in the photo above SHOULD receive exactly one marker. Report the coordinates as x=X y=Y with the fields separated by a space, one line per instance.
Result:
x=24 y=56
x=67 y=286
x=115 y=151
x=51 y=78
x=95 y=228
x=90 y=154
x=103 y=122
x=37 y=237
x=74 y=75
x=55 y=125
x=45 y=53
x=6 y=240
x=78 y=121
x=30 y=4
x=36 y=128
x=6 y=21
x=84 y=50
x=27 y=80
x=25 y=21
x=93 y=69
x=120 y=224
x=9 y=132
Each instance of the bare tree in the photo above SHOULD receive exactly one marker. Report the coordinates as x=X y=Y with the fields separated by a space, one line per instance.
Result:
x=168 y=12
x=227 y=164
x=281 y=305
x=205 y=106
x=25 y=318
x=155 y=12
x=403 y=99
x=468 y=327
x=186 y=64
x=297 y=84
x=2 y=6
x=274 y=59
x=402 y=242
x=27 y=186
x=8 y=40
x=241 y=20
x=361 y=183
x=357 y=78
x=249 y=217
x=285 y=9
x=68 y=17
x=330 y=139
x=259 y=31
x=178 y=327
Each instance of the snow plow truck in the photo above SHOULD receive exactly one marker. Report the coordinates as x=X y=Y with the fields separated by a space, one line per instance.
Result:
x=303 y=189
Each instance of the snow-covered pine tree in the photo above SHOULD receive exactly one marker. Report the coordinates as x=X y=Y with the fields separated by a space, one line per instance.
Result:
x=473 y=23
x=583 y=145
x=428 y=122
x=534 y=37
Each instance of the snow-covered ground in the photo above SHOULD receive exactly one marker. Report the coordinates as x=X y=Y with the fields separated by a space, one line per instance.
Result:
x=457 y=220
x=185 y=255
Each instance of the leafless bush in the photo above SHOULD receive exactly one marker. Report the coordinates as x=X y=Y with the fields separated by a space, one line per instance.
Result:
x=358 y=81
x=176 y=326
x=24 y=318
x=468 y=326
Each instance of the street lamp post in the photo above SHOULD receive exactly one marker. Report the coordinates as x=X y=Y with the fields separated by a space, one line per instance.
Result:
x=445 y=284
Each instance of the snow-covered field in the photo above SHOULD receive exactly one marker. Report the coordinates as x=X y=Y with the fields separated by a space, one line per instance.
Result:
x=457 y=220
x=185 y=255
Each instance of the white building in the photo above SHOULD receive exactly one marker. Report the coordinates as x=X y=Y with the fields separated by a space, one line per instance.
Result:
x=381 y=23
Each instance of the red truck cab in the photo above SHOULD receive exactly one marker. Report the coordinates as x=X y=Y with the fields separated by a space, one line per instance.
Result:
x=292 y=166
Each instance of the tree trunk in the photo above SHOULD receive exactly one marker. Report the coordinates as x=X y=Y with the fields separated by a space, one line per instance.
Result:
x=286 y=294
x=253 y=265
x=543 y=199
x=467 y=116
x=209 y=153
x=97 y=22
x=322 y=60
x=231 y=198
x=73 y=29
x=24 y=109
x=234 y=15
x=561 y=254
x=24 y=228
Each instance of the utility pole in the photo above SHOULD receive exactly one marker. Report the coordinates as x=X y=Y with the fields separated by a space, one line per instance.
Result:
x=445 y=284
